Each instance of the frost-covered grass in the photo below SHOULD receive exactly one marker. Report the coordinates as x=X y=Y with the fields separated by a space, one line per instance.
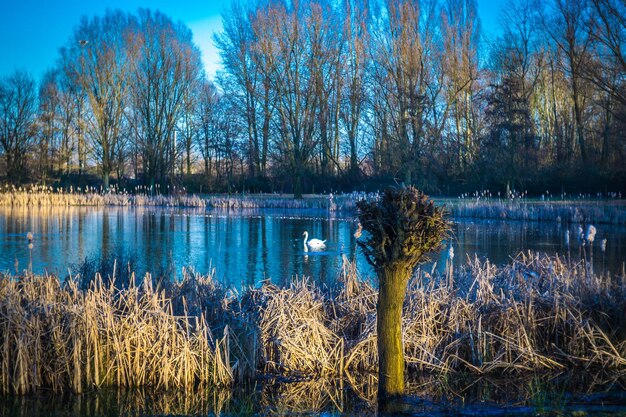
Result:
x=566 y=211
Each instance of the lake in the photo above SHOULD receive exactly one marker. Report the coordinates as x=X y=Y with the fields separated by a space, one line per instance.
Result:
x=246 y=247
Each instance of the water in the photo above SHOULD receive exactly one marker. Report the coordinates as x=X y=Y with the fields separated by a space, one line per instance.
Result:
x=247 y=247
x=562 y=395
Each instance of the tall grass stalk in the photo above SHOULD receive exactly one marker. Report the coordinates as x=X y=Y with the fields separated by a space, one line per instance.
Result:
x=537 y=314
x=55 y=335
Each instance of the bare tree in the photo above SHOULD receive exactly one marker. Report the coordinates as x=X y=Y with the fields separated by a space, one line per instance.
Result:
x=298 y=55
x=354 y=96
x=566 y=27
x=164 y=66
x=96 y=58
x=461 y=29
x=207 y=124
x=67 y=115
x=48 y=128
x=402 y=55
x=607 y=29
x=18 y=113
x=243 y=77
x=188 y=127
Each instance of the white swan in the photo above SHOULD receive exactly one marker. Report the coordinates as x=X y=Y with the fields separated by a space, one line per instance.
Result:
x=313 y=244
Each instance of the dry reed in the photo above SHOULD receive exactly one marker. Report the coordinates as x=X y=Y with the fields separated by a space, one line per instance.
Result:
x=58 y=336
x=41 y=196
x=537 y=314
x=295 y=339
x=567 y=211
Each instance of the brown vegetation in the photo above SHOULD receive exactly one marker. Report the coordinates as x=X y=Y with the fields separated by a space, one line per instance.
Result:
x=54 y=335
x=536 y=314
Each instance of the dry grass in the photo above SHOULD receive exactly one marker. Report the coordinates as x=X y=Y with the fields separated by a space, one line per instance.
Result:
x=537 y=314
x=293 y=337
x=41 y=196
x=60 y=337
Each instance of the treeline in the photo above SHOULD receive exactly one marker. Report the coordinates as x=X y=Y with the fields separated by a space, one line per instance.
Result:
x=317 y=95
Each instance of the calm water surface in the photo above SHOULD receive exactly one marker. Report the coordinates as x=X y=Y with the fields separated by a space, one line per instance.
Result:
x=246 y=247
x=534 y=396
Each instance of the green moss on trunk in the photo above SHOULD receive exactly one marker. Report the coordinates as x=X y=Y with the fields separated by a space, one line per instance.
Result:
x=393 y=282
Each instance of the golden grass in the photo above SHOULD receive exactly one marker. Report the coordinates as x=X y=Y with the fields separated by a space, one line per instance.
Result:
x=537 y=314
x=294 y=339
x=41 y=196
x=60 y=337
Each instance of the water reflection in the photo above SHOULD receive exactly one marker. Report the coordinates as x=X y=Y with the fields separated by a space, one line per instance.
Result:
x=566 y=394
x=247 y=247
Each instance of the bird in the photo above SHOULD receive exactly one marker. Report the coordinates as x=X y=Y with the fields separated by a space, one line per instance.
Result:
x=314 y=244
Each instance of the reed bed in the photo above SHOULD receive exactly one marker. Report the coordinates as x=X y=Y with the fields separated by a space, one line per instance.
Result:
x=41 y=196
x=58 y=336
x=567 y=211
x=294 y=338
x=329 y=202
x=537 y=314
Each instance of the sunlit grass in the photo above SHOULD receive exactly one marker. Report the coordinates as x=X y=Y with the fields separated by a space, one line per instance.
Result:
x=42 y=196
x=537 y=314
x=55 y=335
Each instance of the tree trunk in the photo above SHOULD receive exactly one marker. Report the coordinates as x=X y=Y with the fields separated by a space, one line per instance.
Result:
x=297 y=183
x=606 y=134
x=393 y=281
x=580 y=132
x=105 y=180
x=354 y=162
x=189 y=158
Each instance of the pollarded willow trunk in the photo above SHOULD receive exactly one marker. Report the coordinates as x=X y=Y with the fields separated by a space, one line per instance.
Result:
x=393 y=282
x=401 y=229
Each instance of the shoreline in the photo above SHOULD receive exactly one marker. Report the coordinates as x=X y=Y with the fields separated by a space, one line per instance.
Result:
x=575 y=211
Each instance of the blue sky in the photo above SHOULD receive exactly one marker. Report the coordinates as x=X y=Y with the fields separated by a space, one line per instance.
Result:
x=32 y=31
